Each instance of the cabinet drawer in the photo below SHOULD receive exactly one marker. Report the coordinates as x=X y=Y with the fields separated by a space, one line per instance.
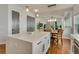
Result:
x=41 y=46
x=38 y=48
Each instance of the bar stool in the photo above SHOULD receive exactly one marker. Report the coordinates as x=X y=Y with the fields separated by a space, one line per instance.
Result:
x=59 y=37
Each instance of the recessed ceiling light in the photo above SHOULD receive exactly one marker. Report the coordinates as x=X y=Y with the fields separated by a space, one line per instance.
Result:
x=55 y=20
x=27 y=9
x=37 y=15
x=36 y=10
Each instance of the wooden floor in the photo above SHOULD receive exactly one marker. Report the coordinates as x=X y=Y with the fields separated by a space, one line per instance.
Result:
x=64 y=49
x=2 y=48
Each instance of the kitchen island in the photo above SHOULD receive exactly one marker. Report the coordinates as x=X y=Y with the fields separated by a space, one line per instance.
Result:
x=28 y=43
x=75 y=43
x=75 y=36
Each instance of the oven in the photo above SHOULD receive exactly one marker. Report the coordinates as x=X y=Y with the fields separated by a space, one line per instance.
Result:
x=76 y=46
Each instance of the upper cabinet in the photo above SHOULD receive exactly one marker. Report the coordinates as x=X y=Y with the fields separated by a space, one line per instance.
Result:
x=15 y=22
x=30 y=24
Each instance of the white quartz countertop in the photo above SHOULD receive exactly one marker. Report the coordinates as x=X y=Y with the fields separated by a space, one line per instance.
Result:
x=75 y=36
x=30 y=37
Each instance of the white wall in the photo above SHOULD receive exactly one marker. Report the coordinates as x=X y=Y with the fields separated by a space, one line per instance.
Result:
x=76 y=8
x=3 y=22
x=23 y=17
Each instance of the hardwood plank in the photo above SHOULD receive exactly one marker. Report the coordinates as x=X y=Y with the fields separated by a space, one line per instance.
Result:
x=64 y=49
x=2 y=48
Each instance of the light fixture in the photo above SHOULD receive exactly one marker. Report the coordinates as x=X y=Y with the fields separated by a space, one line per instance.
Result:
x=55 y=19
x=52 y=19
x=49 y=20
x=27 y=9
x=36 y=10
x=37 y=15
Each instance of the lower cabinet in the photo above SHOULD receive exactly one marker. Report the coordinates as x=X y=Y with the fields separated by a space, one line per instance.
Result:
x=42 y=46
x=46 y=43
x=38 y=48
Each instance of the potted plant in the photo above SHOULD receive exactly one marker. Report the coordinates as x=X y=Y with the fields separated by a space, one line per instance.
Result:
x=60 y=26
x=39 y=25
x=52 y=26
x=56 y=27
x=44 y=26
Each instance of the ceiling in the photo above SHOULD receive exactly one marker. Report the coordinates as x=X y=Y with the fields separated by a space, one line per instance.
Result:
x=45 y=11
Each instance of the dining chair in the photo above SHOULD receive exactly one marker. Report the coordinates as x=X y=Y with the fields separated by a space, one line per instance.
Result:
x=54 y=38
x=59 y=37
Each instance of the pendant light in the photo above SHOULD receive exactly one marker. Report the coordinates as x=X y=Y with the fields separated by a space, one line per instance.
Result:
x=36 y=12
x=52 y=19
x=27 y=9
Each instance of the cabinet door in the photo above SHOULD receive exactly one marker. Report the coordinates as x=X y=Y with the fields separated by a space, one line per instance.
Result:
x=30 y=24
x=46 y=43
x=15 y=22
x=42 y=46
x=38 y=48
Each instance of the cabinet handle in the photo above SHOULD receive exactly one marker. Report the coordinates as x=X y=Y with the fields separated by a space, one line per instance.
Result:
x=48 y=42
x=38 y=43
x=43 y=48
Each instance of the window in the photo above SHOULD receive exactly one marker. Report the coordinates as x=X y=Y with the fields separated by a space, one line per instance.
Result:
x=76 y=23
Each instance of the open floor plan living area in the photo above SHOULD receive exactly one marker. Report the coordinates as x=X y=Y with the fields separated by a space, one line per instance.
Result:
x=39 y=28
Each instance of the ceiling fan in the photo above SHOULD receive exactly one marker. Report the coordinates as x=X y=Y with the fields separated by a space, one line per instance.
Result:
x=51 y=5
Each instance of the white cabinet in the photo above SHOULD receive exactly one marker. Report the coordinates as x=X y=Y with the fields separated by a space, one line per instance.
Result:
x=75 y=39
x=42 y=46
x=72 y=45
x=37 y=48
x=46 y=43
